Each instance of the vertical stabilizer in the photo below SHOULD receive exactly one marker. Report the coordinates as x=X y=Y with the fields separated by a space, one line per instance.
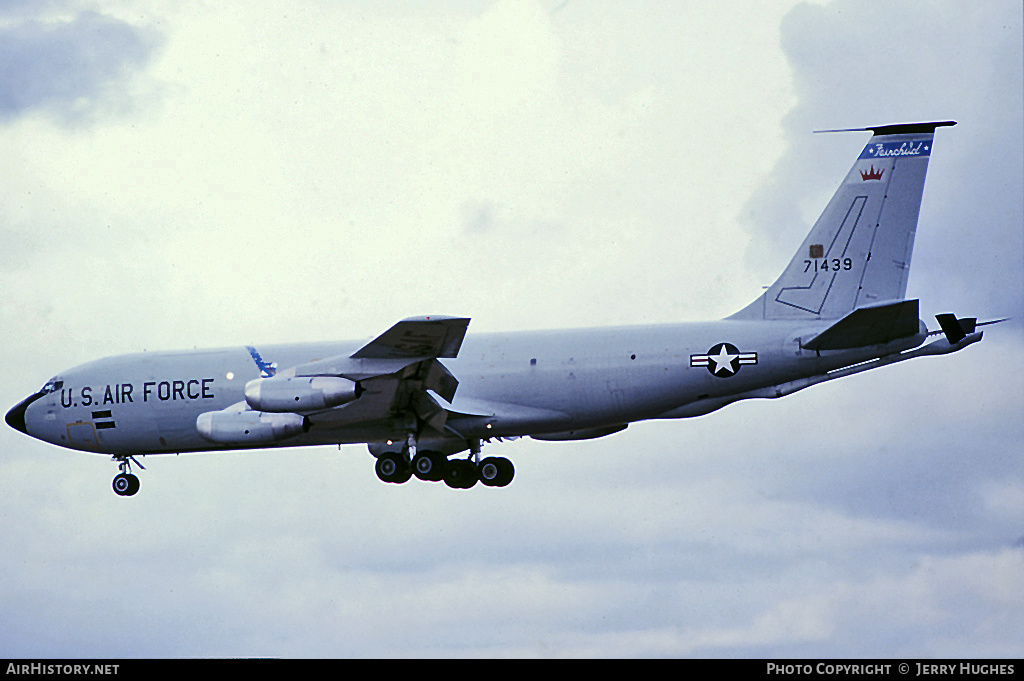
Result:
x=858 y=252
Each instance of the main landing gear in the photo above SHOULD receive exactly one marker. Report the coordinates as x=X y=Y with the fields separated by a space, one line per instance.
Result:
x=125 y=483
x=397 y=468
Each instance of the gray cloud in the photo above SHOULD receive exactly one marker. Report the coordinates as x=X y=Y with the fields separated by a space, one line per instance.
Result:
x=68 y=67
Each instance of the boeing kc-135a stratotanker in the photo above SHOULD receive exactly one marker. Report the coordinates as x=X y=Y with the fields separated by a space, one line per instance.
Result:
x=423 y=392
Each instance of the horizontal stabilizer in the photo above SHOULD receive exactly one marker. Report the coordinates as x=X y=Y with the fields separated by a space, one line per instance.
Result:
x=869 y=326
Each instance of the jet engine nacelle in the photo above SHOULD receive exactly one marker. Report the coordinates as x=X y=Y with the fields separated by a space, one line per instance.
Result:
x=299 y=394
x=248 y=427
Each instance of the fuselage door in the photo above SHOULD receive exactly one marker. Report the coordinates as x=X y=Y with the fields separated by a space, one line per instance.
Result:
x=82 y=435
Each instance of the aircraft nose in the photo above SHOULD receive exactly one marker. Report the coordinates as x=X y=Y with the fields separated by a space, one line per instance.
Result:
x=16 y=416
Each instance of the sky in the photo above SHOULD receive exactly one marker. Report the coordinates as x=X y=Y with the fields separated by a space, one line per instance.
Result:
x=181 y=175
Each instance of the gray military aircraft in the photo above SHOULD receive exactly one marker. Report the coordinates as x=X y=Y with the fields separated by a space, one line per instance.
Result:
x=423 y=391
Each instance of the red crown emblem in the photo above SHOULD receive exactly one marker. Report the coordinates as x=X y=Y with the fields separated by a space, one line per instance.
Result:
x=873 y=174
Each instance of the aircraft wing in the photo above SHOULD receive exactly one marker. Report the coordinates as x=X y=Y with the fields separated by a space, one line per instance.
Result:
x=417 y=337
x=395 y=371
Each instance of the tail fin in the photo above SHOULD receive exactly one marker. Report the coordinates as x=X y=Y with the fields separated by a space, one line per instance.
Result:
x=858 y=252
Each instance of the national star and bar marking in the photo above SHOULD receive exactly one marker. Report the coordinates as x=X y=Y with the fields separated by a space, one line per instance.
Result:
x=723 y=360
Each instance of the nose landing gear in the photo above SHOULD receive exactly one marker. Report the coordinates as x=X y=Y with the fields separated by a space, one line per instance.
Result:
x=125 y=483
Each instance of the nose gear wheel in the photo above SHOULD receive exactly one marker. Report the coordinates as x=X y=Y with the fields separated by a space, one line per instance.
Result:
x=126 y=484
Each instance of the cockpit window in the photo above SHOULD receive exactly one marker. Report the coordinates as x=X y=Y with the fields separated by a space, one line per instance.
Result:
x=52 y=386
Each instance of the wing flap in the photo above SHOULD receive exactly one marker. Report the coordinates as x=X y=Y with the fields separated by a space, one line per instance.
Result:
x=507 y=413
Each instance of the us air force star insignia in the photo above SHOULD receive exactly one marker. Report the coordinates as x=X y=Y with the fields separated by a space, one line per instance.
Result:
x=723 y=360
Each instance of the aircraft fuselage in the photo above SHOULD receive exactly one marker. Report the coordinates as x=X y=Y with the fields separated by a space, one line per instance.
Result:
x=148 y=403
